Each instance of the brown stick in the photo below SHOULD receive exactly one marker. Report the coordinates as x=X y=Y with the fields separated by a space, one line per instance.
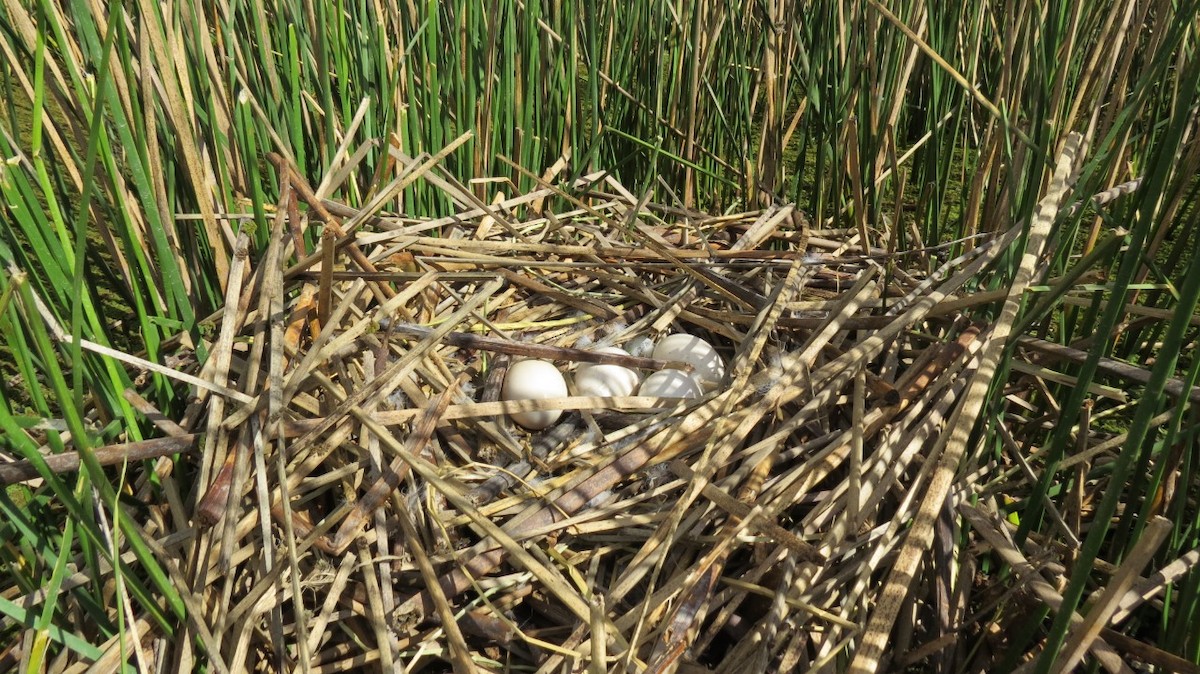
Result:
x=1149 y=654
x=293 y=212
x=151 y=412
x=325 y=285
x=464 y=340
x=19 y=471
x=1175 y=387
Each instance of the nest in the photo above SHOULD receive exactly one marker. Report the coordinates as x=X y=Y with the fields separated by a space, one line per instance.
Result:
x=386 y=509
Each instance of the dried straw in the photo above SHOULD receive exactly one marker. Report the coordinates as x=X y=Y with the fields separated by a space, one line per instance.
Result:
x=362 y=495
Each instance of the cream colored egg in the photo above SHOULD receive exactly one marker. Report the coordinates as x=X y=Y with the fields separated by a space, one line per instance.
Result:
x=605 y=380
x=671 y=384
x=708 y=365
x=534 y=380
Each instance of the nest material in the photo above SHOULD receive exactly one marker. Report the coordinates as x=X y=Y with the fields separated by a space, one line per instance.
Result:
x=387 y=509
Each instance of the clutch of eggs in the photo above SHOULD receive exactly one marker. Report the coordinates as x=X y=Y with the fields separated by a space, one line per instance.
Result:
x=540 y=379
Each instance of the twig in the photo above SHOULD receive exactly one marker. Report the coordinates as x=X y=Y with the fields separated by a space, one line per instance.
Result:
x=1175 y=387
x=68 y=462
x=465 y=340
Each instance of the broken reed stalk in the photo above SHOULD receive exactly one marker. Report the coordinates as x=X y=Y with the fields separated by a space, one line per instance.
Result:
x=664 y=445
x=691 y=610
x=215 y=437
x=213 y=505
x=110 y=455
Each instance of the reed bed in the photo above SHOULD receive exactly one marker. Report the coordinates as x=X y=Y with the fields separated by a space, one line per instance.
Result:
x=364 y=499
x=958 y=405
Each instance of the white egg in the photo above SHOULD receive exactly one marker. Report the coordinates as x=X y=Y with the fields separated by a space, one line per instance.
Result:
x=709 y=367
x=671 y=384
x=534 y=380
x=604 y=380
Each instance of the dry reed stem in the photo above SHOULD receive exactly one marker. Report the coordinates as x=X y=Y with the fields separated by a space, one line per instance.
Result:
x=110 y=455
x=993 y=532
x=333 y=226
x=870 y=653
x=1085 y=633
x=213 y=503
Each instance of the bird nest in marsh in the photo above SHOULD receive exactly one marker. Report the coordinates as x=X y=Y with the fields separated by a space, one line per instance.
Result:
x=386 y=508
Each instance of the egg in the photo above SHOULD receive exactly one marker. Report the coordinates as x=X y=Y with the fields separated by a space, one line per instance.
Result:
x=707 y=363
x=534 y=380
x=604 y=380
x=671 y=384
